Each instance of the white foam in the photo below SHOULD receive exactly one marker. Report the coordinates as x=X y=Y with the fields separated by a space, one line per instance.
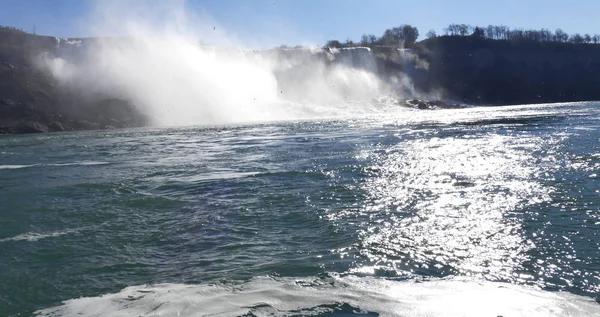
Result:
x=280 y=297
x=35 y=236
x=12 y=167
x=85 y=163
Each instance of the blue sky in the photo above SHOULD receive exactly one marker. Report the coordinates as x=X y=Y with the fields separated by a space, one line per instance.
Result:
x=315 y=21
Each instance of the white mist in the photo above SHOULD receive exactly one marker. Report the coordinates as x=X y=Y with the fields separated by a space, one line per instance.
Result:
x=164 y=70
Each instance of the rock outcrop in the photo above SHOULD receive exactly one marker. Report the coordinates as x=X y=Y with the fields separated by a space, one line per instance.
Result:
x=429 y=104
x=32 y=101
x=484 y=71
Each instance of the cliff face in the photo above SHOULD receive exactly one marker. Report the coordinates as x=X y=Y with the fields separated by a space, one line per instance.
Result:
x=482 y=71
x=467 y=69
x=31 y=100
x=25 y=93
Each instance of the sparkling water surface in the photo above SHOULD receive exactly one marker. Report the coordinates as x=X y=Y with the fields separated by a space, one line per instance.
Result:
x=470 y=212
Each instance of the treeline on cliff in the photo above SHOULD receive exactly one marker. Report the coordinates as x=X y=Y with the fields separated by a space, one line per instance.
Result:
x=502 y=32
x=406 y=35
x=503 y=65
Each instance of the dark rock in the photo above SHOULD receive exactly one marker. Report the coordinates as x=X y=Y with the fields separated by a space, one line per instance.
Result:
x=56 y=127
x=7 y=102
x=32 y=100
x=84 y=125
x=27 y=106
x=415 y=103
x=486 y=71
x=118 y=113
x=444 y=105
x=31 y=127
x=5 y=130
x=428 y=104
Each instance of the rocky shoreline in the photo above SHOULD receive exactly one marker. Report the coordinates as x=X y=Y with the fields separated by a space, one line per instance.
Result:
x=105 y=114
x=116 y=113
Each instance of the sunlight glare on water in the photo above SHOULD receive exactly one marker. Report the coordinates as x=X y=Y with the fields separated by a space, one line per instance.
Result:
x=472 y=212
x=446 y=201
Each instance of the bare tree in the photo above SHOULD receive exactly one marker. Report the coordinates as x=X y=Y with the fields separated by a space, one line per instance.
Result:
x=372 y=39
x=489 y=32
x=452 y=29
x=560 y=36
x=364 y=40
x=576 y=38
x=390 y=37
x=333 y=44
x=498 y=31
x=407 y=35
x=463 y=29
x=410 y=34
x=505 y=31
x=404 y=34
x=546 y=35
x=478 y=32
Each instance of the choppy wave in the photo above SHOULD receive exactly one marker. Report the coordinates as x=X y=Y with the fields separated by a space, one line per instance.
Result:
x=349 y=295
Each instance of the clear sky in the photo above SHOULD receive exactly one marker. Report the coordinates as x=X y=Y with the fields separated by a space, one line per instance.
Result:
x=293 y=22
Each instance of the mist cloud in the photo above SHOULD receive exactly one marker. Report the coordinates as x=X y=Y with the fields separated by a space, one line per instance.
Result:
x=183 y=68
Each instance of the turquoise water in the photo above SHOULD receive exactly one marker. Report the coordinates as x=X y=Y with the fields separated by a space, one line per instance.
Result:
x=471 y=212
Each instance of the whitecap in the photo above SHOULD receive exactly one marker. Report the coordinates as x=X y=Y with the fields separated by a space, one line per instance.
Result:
x=282 y=297
x=35 y=236
x=84 y=163
x=12 y=167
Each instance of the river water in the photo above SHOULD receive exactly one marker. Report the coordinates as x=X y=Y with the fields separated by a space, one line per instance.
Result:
x=468 y=212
